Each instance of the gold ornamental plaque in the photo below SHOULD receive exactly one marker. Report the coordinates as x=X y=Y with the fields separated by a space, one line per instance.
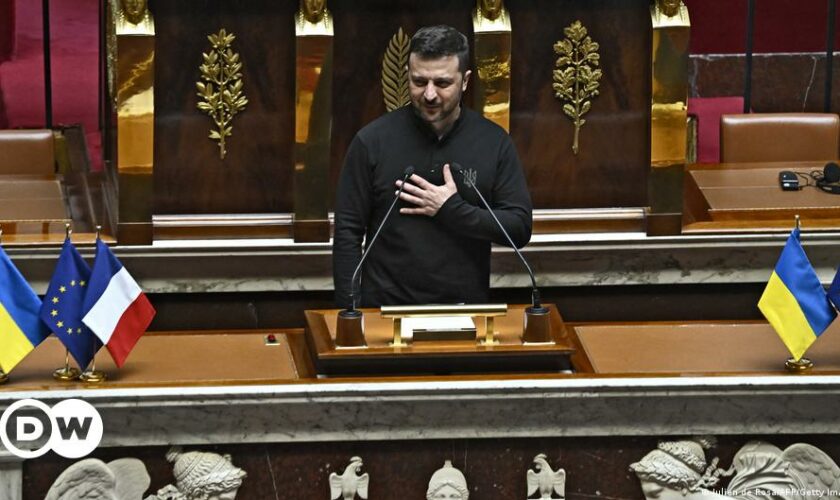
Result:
x=220 y=90
x=577 y=77
x=395 y=72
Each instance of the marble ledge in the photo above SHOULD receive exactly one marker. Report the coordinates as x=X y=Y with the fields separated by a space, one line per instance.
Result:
x=558 y=406
x=561 y=260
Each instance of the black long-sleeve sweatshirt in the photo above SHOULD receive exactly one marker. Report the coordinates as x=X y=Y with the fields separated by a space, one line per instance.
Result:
x=419 y=259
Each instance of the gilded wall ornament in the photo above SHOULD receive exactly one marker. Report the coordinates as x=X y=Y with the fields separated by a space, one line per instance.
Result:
x=577 y=77
x=220 y=93
x=313 y=10
x=544 y=481
x=490 y=9
x=313 y=19
x=350 y=483
x=134 y=10
x=678 y=469
x=395 y=72
x=669 y=8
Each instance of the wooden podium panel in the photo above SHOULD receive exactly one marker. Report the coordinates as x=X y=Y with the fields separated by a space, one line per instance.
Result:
x=689 y=348
x=748 y=196
x=178 y=359
x=440 y=357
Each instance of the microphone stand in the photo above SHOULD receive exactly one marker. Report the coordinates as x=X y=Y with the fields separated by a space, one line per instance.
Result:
x=537 y=322
x=350 y=326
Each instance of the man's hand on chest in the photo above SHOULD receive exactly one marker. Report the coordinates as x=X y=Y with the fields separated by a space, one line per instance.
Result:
x=426 y=197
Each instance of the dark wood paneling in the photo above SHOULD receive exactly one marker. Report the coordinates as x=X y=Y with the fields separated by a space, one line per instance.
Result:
x=189 y=177
x=256 y=174
x=611 y=168
x=363 y=30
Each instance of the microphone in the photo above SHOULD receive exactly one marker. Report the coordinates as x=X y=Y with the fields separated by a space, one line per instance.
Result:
x=349 y=328
x=537 y=325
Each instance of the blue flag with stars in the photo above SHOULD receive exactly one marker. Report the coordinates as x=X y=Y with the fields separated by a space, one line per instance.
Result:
x=61 y=309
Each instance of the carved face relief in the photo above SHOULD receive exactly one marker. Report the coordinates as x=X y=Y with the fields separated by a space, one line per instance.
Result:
x=313 y=10
x=447 y=492
x=655 y=491
x=134 y=10
x=490 y=9
x=669 y=7
x=229 y=495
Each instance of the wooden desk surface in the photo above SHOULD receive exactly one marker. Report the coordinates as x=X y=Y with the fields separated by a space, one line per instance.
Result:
x=747 y=195
x=31 y=198
x=698 y=347
x=177 y=359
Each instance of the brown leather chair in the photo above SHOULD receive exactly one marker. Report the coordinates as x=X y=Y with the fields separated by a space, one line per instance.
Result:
x=27 y=152
x=761 y=137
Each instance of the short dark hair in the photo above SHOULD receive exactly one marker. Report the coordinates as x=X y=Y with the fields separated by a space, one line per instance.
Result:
x=433 y=42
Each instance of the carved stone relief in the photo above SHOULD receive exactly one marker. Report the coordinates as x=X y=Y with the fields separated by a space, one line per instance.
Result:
x=350 y=482
x=544 y=481
x=677 y=470
x=201 y=475
x=122 y=479
x=448 y=483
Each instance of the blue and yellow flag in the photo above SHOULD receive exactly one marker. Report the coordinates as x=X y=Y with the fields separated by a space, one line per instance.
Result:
x=834 y=290
x=20 y=329
x=62 y=307
x=795 y=302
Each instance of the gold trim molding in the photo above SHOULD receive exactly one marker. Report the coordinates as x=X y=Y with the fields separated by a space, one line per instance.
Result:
x=577 y=77
x=221 y=92
x=492 y=44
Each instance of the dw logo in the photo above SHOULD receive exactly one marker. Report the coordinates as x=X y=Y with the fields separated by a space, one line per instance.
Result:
x=72 y=428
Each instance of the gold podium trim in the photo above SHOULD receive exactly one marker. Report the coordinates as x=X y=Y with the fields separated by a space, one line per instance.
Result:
x=487 y=311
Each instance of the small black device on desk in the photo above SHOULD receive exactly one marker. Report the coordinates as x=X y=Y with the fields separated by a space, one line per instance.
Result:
x=789 y=181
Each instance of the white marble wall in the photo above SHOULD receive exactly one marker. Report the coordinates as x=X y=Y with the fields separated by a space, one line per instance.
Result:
x=562 y=406
x=570 y=260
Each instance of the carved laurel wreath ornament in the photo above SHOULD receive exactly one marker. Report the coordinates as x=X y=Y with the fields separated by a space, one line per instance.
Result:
x=220 y=93
x=395 y=72
x=577 y=77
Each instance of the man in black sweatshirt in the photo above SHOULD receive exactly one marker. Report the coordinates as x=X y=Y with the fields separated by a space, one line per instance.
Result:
x=436 y=249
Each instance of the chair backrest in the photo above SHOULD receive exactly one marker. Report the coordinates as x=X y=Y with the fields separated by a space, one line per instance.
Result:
x=759 y=137
x=27 y=152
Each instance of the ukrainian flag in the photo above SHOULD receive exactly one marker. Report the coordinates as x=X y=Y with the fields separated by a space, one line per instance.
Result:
x=20 y=328
x=794 y=301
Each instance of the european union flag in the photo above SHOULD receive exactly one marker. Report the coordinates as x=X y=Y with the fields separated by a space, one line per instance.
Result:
x=61 y=310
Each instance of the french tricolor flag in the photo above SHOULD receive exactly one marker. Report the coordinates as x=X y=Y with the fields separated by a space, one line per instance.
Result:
x=115 y=307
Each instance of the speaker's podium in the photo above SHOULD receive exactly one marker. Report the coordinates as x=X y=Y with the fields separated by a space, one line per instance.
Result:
x=438 y=339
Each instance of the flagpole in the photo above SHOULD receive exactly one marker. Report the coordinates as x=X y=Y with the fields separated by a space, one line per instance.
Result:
x=3 y=376
x=92 y=375
x=802 y=365
x=67 y=372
